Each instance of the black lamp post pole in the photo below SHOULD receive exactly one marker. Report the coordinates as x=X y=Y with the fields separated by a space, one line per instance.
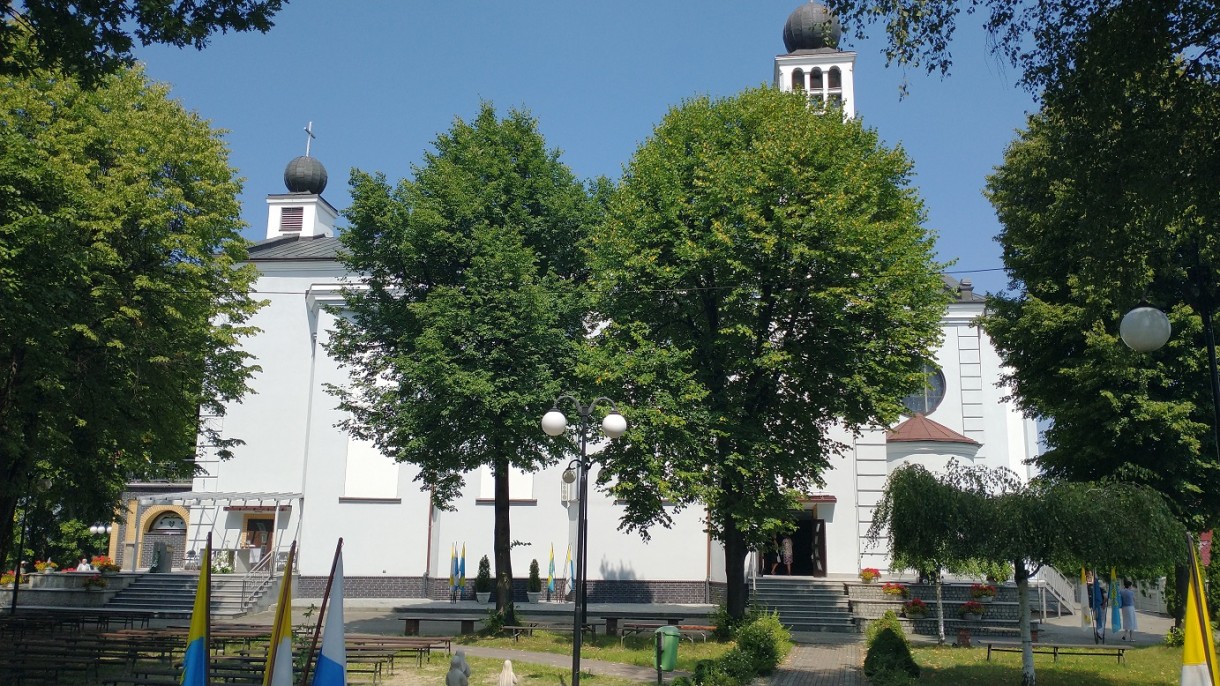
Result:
x=554 y=424
x=582 y=535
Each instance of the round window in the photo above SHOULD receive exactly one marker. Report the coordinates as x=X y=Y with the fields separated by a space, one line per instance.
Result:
x=926 y=400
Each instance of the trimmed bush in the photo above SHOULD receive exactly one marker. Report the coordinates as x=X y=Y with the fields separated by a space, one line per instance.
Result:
x=889 y=652
x=726 y=626
x=889 y=620
x=765 y=642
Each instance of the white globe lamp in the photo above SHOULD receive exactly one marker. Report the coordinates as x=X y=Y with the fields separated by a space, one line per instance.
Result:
x=554 y=423
x=1145 y=329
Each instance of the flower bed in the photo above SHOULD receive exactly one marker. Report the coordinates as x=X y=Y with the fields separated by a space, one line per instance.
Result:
x=896 y=589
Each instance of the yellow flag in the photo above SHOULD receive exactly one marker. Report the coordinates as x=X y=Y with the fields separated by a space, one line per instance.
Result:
x=1199 y=649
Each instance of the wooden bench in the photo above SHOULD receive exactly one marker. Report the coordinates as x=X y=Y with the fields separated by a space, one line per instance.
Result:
x=1055 y=651
x=410 y=623
x=528 y=628
x=687 y=631
x=612 y=621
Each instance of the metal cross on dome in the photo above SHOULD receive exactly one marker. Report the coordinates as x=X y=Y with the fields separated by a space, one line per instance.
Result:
x=309 y=137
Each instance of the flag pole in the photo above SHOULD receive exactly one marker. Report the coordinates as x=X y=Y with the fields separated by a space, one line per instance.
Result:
x=207 y=618
x=313 y=646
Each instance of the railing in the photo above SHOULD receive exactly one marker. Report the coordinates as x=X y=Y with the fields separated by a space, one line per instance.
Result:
x=1064 y=590
x=253 y=581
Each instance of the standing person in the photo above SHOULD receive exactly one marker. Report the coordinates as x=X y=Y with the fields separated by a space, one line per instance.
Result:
x=1097 y=601
x=785 y=553
x=773 y=553
x=1126 y=603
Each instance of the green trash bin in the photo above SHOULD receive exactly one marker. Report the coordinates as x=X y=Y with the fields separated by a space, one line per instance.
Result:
x=667 y=648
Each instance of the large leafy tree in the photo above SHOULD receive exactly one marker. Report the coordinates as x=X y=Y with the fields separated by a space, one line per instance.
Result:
x=973 y=512
x=1043 y=39
x=92 y=38
x=471 y=310
x=1109 y=198
x=121 y=299
x=765 y=280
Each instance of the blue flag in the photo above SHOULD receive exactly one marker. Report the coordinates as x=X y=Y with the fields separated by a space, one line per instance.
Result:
x=195 y=661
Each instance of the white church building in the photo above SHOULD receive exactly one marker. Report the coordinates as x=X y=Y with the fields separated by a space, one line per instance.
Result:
x=299 y=477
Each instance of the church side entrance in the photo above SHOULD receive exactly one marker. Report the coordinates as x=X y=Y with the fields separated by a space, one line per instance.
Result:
x=809 y=546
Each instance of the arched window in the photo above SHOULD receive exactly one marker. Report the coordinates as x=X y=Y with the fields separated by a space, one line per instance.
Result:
x=798 y=80
x=926 y=400
x=835 y=78
x=815 y=79
x=168 y=523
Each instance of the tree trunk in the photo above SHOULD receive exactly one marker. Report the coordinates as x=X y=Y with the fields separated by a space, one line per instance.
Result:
x=940 y=609
x=8 y=524
x=1177 y=608
x=735 y=570
x=1021 y=574
x=502 y=544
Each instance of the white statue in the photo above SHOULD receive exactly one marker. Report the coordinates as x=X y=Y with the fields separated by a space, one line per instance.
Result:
x=507 y=678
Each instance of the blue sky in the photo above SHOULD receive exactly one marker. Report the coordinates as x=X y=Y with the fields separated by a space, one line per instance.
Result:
x=380 y=78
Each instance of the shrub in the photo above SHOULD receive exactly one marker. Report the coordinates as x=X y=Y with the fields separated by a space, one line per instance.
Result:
x=764 y=642
x=534 y=585
x=727 y=626
x=889 y=652
x=482 y=582
x=889 y=620
x=1175 y=638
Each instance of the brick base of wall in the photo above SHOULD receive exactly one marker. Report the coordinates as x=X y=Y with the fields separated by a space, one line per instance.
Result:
x=600 y=591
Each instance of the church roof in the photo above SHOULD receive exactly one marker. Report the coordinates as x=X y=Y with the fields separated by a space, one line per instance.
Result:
x=295 y=248
x=920 y=428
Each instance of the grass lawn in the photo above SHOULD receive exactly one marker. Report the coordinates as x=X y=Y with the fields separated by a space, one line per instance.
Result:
x=638 y=650
x=1149 y=666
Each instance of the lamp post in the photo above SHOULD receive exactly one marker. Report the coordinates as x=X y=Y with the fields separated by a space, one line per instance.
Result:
x=554 y=423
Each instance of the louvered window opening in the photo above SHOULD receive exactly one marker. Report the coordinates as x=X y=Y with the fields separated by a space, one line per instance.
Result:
x=292 y=218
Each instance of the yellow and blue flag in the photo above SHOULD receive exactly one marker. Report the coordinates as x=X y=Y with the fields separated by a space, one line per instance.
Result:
x=462 y=568
x=452 y=567
x=1199 y=649
x=550 y=572
x=1116 y=613
x=571 y=571
x=278 y=671
x=195 y=661
x=1086 y=620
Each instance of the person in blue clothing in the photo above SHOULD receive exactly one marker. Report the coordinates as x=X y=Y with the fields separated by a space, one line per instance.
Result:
x=1126 y=603
x=1097 y=601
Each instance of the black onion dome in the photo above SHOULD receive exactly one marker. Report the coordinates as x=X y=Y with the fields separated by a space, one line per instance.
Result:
x=811 y=26
x=305 y=175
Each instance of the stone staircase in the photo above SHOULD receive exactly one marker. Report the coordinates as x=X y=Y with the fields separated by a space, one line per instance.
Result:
x=174 y=594
x=805 y=603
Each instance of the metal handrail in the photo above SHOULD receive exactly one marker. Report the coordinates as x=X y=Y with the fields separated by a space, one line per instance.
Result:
x=265 y=567
x=1061 y=587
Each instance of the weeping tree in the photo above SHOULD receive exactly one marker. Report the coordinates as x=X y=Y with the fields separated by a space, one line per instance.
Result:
x=939 y=520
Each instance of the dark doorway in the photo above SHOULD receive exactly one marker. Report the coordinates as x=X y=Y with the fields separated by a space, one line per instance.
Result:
x=809 y=546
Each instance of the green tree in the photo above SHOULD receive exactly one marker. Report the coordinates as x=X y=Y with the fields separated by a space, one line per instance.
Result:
x=94 y=38
x=765 y=280
x=1043 y=39
x=472 y=311
x=121 y=299
x=987 y=514
x=1109 y=198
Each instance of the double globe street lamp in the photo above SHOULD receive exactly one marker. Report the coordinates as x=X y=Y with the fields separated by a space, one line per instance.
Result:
x=554 y=423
